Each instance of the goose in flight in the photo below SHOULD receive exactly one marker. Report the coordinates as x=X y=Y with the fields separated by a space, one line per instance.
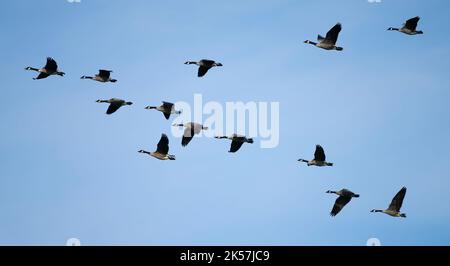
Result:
x=319 y=158
x=396 y=205
x=166 y=108
x=410 y=27
x=345 y=196
x=204 y=66
x=329 y=42
x=191 y=129
x=162 y=150
x=102 y=76
x=236 y=141
x=50 y=69
x=114 y=104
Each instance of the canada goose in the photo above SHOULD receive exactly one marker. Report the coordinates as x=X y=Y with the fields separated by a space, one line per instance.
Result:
x=191 y=130
x=236 y=141
x=166 y=108
x=409 y=27
x=396 y=205
x=162 y=150
x=114 y=104
x=50 y=69
x=345 y=196
x=204 y=66
x=329 y=42
x=319 y=158
x=102 y=76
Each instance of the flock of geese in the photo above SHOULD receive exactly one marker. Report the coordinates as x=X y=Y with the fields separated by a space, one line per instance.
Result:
x=191 y=129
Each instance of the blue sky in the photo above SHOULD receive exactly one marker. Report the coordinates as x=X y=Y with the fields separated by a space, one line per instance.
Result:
x=379 y=108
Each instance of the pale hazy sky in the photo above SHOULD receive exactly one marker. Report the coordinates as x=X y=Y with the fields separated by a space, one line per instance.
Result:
x=379 y=108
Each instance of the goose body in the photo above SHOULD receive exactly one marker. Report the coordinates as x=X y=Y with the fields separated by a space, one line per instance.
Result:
x=329 y=41
x=191 y=129
x=236 y=141
x=319 y=158
x=345 y=196
x=102 y=76
x=114 y=104
x=50 y=69
x=395 y=206
x=409 y=28
x=162 y=150
x=204 y=65
x=166 y=108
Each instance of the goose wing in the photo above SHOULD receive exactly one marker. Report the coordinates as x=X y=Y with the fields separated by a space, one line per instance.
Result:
x=319 y=154
x=168 y=107
x=412 y=23
x=105 y=74
x=51 y=65
x=188 y=135
x=163 y=145
x=397 y=201
x=42 y=75
x=113 y=107
x=339 y=205
x=236 y=145
x=202 y=70
x=333 y=34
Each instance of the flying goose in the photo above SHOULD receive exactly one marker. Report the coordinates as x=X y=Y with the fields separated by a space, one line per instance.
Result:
x=191 y=130
x=102 y=76
x=319 y=158
x=166 y=108
x=329 y=42
x=114 y=104
x=236 y=141
x=162 y=150
x=204 y=66
x=409 y=27
x=396 y=205
x=50 y=69
x=345 y=196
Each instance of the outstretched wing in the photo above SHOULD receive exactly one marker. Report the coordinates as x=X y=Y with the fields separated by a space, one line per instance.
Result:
x=51 y=65
x=397 y=201
x=105 y=74
x=188 y=135
x=202 y=71
x=319 y=154
x=167 y=109
x=333 y=34
x=339 y=205
x=167 y=106
x=163 y=145
x=412 y=23
x=113 y=107
x=236 y=145
x=42 y=75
